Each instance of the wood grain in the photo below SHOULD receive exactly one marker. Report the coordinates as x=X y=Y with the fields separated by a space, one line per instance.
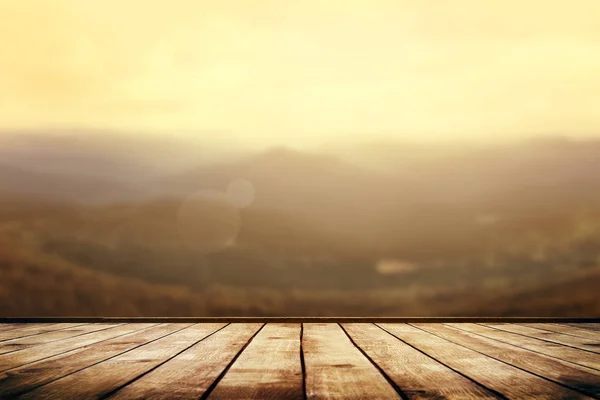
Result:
x=33 y=329
x=500 y=377
x=269 y=368
x=191 y=373
x=22 y=379
x=336 y=369
x=560 y=338
x=7 y=327
x=48 y=337
x=25 y=356
x=569 y=354
x=154 y=359
x=582 y=379
x=588 y=326
x=101 y=379
x=568 y=330
x=412 y=370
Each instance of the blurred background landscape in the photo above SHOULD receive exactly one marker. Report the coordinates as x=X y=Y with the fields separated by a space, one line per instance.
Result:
x=387 y=229
x=315 y=158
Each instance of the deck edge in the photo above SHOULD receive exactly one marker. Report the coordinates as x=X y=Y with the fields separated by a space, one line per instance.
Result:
x=301 y=319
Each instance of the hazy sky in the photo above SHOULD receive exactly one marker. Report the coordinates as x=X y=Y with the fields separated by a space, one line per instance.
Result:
x=296 y=71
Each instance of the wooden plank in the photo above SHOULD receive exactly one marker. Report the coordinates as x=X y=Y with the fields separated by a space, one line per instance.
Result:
x=22 y=379
x=26 y=356
x=8 y=327
x=336 y=369
x=493 y=374
x=100 y=380
x=587 y=326
x=48 y=337
x=190 y=374
x=34 y=329
x=269 y=368
x=418 y=375
x=568 y=330
x=560 y=338
x=582 y=379
x=555 y=350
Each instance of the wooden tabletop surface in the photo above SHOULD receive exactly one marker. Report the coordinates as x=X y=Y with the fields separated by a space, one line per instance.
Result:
x=279 y=359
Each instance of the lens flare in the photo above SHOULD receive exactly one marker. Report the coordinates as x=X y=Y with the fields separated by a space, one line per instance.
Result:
x=240 y=193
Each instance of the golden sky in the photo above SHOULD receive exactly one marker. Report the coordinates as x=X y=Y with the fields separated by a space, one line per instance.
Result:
x=282 y=71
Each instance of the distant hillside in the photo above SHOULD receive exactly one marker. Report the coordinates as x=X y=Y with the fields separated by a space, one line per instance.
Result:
x=74 y=186
x=109 y=155
x=278 y=166
x=387 y=177
x=575 y=296
x=319 y=189
x=462 y=231
x=35 y=284
x=107 y=257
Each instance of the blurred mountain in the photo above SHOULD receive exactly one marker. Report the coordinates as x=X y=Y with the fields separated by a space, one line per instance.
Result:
x=73 y=186
x=114 y=155
x=479 y=230
x=320 y=189
x=95 y=166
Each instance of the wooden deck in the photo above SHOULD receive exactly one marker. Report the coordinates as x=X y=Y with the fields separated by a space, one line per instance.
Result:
x=298 y=359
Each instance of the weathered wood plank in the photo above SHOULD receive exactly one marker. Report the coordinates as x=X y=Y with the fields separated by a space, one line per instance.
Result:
x=25 y=356
x=22 y=379
x=33 y=329
x=568 y=330
x=336 y=369
x=48 y=337
x=560 y=338
x=588 y=326
x=555 y=350
x=101 y=379
x=269 y=368
x=418 y=376
x=493 y=374
x=239 y=361
x=190 y=374
x=8 y=327
x=582 y=379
